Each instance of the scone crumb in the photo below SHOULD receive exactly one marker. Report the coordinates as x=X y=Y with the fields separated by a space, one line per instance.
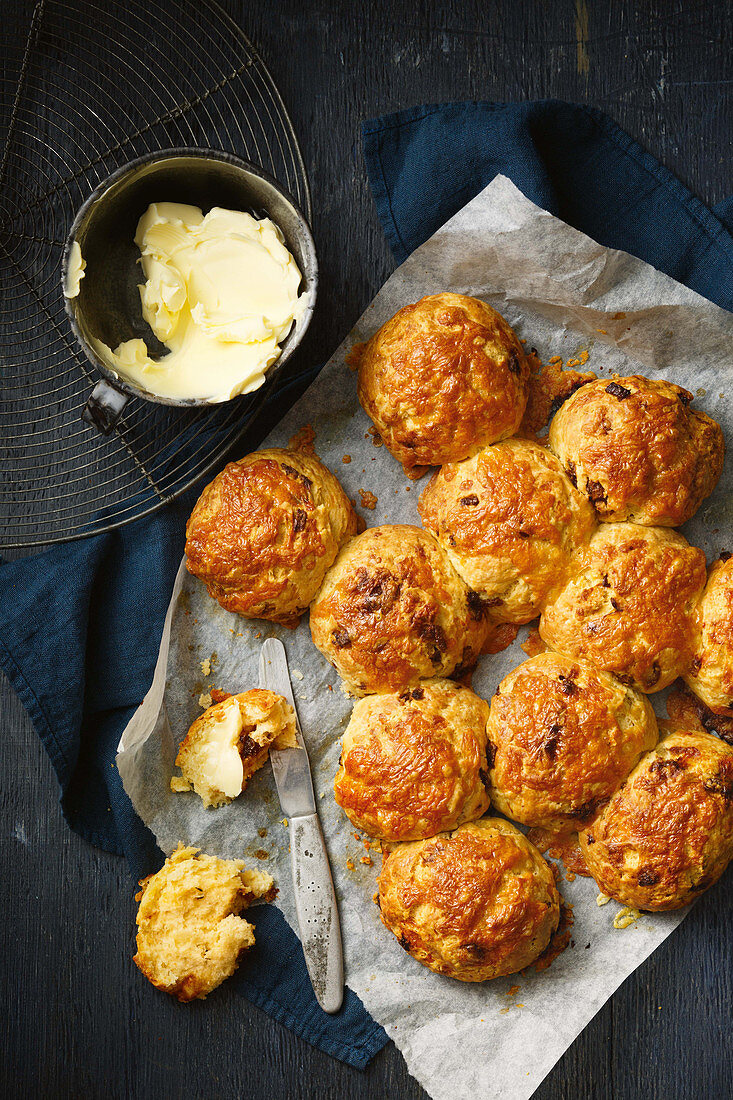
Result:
x=579 y=360
x=206 y=666
x=533 y=644
x=303 y=440
x=513 y=991
x=205 y=700
x=602 y=899
x=354 y=357
x=296 y=673
x=218 y=696
x=367 y=860
x=368 y=499
x=626 y=917
x=284 y=822
x=350 y=865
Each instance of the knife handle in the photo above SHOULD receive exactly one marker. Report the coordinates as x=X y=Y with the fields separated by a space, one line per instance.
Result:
x=318 y=918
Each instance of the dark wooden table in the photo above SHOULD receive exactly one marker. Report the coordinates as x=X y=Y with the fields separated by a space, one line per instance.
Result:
x=78 y=1020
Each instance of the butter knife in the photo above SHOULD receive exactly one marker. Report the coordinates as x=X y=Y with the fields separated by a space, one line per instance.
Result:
x=315 y=898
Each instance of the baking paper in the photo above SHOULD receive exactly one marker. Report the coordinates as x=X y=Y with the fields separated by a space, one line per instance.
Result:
x=564 y=294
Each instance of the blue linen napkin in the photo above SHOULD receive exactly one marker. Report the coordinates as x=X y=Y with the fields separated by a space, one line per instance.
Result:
x=426 y=163
x=80 y=625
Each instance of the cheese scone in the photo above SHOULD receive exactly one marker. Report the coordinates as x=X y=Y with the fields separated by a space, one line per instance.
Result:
x=414 y=764
x=638 y=450
x=476 y=903
x=443 y=378
x=667 y=833
x=629 y=603
x=509 y=519
x=393 y=611
x=562 y=736
x=227 y=744
x=264 y=532
x=710 y=674
x=190 y=935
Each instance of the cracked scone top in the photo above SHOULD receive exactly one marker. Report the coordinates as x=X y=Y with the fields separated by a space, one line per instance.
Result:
x=442 y=378
x=264 y=532
x=562 y=736
x=710 y=675
x=638 y=450
x=509 y=519
x=392 y=611
x=414 y=764
x=476 y=903
x=667 y=833
x=190 y=935
x=629 y=603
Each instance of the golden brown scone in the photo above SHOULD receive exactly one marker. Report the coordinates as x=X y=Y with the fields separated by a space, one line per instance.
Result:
x=476 y=903
x=413 y=765
x=190 y=937
x=508 y=519
x=563 y=735
x=710 y=674
x=667 y=834
x=638 y=450
x=264 y=532
x=442 y=378
x=393 y=611
x=629 y=603
x=227 y=744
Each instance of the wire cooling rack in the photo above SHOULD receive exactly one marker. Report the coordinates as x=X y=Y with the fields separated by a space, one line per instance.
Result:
x=85 y=87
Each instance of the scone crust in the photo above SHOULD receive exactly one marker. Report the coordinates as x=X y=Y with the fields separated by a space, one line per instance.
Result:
x=638 y=450
x=442 y=378
x=509 y=518
x=563 y=736
x=710 y=674
x=414 y=764
x=667 y=834
x=264 y=532
x=476 y=903
x=393 y=611
x=190 y=936
x=629 y=603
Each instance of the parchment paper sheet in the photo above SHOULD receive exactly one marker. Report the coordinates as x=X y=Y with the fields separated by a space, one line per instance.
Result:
x=557 y=288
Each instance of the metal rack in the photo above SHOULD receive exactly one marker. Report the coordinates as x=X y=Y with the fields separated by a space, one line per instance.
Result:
x=86 y=86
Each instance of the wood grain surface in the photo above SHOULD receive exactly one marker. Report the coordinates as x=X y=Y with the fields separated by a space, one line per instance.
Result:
x=78 y=1019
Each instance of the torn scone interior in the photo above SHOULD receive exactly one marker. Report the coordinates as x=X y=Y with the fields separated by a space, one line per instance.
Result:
x=190 y=934
x=227 y=744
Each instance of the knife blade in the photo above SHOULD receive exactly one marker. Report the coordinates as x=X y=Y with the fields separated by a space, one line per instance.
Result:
x=315 y=897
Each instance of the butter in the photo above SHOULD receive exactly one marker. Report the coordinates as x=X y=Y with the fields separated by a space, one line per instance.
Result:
x=223 y=765
x=75 y=269
x=220 y=291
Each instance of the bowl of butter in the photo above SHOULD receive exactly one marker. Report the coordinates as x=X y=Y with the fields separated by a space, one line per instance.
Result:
x=189 y=278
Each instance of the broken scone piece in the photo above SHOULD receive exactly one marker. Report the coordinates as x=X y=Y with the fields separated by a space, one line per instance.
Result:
x=230 y=741
x=190 y=935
